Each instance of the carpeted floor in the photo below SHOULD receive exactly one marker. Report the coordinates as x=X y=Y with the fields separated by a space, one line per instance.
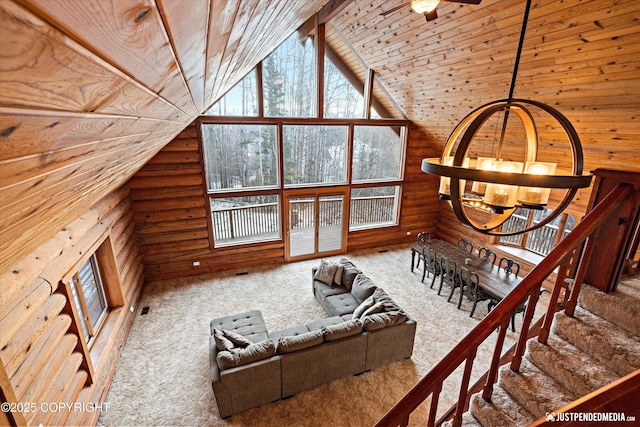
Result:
x=163 y=374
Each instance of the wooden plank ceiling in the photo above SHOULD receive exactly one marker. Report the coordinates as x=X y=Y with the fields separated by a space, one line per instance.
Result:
x=581 y=57
x=90 y=90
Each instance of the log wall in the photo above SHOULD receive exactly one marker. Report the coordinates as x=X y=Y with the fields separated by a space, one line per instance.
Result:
x=168 y=198
x=44 y=359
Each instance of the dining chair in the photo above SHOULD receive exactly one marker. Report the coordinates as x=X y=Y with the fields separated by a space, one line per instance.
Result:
x=431 y=264
x=422 y=239
x=509 y=266
x=520 y=309
x=470 y=287
x=448 y=273
x=487 y=255
x=465 y=245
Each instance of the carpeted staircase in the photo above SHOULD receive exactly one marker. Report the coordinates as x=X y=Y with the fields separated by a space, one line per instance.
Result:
x=600 y=344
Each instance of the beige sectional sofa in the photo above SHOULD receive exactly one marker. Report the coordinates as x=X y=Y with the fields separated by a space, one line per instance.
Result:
x=251 y=366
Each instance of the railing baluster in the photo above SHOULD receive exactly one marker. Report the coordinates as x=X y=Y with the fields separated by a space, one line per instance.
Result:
x=464 y=387
x=433 y=408
x=526 y=323
x=495 y=360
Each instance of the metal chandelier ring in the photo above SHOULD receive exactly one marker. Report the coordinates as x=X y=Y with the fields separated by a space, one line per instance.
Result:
x=468 y=128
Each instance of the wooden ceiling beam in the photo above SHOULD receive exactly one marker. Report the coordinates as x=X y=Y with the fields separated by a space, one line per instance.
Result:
x=331 y=9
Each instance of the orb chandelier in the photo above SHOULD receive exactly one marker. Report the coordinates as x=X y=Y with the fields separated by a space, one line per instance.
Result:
x=500 y=186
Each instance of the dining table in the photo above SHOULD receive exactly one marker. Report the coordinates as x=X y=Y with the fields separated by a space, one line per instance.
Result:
x=495 y=281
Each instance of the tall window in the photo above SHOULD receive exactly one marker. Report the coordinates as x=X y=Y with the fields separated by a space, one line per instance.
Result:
x=268 y=138
x=289 y=79
x=542 y=240
x=89 y=297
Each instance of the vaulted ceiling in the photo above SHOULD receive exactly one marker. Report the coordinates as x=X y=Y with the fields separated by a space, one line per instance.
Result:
x=90 y=90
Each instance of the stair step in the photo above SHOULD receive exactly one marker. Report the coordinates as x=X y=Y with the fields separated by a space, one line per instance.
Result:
x=570 y=366
x=602 y=340
x=502 y=411
x=620 y=307
x=467 y=421
x=534 y=389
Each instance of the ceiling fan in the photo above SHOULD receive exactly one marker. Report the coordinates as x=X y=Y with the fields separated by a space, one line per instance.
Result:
x=426 y=7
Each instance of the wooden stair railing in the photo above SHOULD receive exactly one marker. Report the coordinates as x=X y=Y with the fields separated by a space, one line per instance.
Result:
x=499 y=317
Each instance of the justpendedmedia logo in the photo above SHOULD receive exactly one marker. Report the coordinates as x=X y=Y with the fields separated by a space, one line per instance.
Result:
x=590 y=417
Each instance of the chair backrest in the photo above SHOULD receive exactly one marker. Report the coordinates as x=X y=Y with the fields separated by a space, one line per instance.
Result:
x=509 y=266
x=448 y=267
x=465 y=245
x=424 y=237
x=469 y=278
x=487 y=254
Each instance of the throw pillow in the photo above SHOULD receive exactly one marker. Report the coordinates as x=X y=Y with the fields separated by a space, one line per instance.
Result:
x=337 y=279
x=375 y=308
x=342 y=330
x=364 y=305
x=237 y=339
x=326 y=272
x=362 y=287
x=242 y=356
x=222 y=342
x=298 y=342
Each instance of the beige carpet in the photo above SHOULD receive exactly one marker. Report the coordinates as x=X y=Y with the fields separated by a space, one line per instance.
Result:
x=163 y=374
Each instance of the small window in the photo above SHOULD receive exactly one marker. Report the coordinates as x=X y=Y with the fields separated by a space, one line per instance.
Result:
x=245 y=219
x=241 y=100
x=240 y=156
x=374 y=207
x=89 y=297
x=315 y=154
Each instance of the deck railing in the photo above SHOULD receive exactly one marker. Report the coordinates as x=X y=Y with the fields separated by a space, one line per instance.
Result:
x=572 y=260
x=540 y=240
x=245 y=221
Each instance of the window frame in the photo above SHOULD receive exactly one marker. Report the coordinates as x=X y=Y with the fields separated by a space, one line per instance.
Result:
x=92 y=330
x=562 y=224
x=280 y=122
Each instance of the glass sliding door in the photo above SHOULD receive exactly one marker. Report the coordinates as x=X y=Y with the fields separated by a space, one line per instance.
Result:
x=302 y=226
x=315 y=225
x=330 y=224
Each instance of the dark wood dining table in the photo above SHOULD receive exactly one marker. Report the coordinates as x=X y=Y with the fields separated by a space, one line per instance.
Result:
x=493 y=280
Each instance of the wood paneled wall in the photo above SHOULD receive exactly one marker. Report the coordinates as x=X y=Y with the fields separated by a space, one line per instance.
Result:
x=168 y=199
x=43 y=358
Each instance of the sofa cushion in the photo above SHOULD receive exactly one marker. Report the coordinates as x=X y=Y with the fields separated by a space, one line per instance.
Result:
x=317 y=325
x=293 y=343
x=237 y=339
x=349 y=272
x=364 y=305
x=242 y=356
x=326 y=272
x=249 y=324
x=342 y=330
x=341 y=304
x=291 y=331
x=323 y=290
x=383 y=319
x=362 y=288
